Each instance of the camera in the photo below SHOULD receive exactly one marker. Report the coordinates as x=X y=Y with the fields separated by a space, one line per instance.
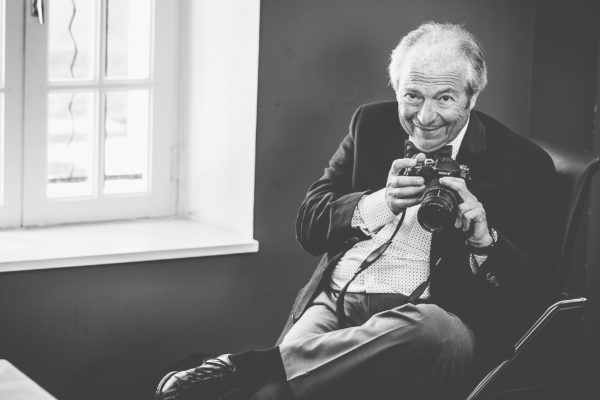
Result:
x=439 y=204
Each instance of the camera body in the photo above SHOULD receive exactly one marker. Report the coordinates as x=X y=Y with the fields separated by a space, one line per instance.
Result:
x=439 y=204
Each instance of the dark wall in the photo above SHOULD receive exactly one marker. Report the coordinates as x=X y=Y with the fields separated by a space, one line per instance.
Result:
x=564 y=71
x=319 y=60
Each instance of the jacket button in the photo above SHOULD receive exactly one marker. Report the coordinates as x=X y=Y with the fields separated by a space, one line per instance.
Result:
x=492 y=279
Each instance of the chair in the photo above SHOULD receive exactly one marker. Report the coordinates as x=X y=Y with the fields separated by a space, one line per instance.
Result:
x=575 y=171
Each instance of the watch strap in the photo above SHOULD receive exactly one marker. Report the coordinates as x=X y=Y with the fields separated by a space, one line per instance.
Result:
x=485 y=250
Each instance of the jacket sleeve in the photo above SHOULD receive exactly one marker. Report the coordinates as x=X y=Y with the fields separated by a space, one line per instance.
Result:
x=324 y=221
x=516 y=282
x=527 y=230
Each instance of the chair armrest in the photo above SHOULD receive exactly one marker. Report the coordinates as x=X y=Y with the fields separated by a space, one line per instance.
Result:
x=532 y=332
x=562 y=305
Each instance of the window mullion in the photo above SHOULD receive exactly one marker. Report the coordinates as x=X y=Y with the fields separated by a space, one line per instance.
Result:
x=101 y=98
x=35 y=125
x=99 y=142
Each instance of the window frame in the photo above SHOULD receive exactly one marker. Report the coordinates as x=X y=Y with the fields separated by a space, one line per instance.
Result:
x=160 y=198
x=11 y=138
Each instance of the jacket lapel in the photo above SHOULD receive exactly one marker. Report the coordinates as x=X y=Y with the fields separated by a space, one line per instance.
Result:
x=474 y=141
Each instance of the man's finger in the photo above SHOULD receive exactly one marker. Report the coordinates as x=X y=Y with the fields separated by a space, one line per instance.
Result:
x=477 y=219
x=401 y=181
x=420 y=157
x=458 y=223
x=466 y=223
x=466 y=212
x=406 y=191
x=401 y=163
x=409 y=201
x=460 y=186
x=468 y=206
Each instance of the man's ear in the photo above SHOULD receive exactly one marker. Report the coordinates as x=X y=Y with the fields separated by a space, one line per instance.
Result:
x=472 y=101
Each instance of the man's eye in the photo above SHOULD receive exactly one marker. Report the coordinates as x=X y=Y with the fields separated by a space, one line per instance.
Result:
x=411 y=97
x=446 y=98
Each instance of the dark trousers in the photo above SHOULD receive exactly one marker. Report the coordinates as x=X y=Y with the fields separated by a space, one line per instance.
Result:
x=391 y=348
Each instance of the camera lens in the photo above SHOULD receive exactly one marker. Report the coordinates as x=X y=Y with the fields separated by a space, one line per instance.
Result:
x=438 y=207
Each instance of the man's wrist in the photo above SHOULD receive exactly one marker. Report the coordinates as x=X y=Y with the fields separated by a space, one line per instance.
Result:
x=484 y=246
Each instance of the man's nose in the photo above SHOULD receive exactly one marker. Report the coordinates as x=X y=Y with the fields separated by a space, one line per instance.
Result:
x=427 y=113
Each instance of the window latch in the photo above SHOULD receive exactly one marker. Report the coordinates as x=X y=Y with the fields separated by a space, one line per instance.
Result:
x=37 y=10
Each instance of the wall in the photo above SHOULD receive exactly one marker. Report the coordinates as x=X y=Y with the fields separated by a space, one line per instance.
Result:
x=212 y=83
x=319 y=60
x=564 y=71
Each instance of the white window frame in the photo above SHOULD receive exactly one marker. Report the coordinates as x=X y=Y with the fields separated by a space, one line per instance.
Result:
x=218 y=81
x=11 y=162
x=160 y=198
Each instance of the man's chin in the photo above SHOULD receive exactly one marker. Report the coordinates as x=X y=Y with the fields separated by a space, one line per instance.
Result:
x=429 y=140
x=428 y=146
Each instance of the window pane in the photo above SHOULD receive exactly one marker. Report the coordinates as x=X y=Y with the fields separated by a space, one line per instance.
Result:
x=71 y=37
x=126 y=143
x=70 y=144
x=128 y=39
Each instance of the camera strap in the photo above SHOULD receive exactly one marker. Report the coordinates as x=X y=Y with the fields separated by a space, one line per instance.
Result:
x=371 y=258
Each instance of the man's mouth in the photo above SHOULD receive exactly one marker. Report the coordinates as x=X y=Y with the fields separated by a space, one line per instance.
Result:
x=427 y=128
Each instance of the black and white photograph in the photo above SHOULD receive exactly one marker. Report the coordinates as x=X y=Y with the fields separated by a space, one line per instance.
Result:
x=299 y=199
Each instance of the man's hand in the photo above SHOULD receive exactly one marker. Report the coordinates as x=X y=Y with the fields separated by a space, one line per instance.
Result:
x=403 y=191
x=470 y=213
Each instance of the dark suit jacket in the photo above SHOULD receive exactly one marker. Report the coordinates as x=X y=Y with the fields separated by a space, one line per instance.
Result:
x=512 y=177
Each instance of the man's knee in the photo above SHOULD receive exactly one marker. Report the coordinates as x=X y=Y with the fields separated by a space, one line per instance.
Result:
x=438 y=345
x=433 y=330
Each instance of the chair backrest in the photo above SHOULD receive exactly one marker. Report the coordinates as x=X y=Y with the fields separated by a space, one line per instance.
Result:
x=575 y=170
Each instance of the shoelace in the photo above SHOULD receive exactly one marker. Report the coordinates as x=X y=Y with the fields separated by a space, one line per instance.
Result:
x=214 y=369
x=210 y=368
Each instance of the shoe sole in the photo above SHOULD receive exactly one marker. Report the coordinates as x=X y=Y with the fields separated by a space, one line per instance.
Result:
x=161 y=384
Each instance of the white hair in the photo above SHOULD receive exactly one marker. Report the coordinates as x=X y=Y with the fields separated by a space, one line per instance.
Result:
x=431 y=33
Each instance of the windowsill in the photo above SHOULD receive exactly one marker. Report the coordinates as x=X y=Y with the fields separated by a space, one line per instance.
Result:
x=115 y=243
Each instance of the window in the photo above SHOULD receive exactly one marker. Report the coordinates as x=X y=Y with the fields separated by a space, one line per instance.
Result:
x=70 y=136
x=99 y=122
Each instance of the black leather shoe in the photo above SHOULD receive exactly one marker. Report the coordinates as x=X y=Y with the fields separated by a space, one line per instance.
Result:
x=215 y=379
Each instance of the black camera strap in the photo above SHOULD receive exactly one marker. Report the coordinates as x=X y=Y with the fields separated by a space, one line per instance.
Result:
x=371 y=258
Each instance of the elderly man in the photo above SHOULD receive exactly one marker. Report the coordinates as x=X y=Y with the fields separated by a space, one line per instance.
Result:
x=396 y=303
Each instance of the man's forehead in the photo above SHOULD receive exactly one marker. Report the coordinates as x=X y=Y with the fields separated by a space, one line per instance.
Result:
x=437 y=66
x=449 y=78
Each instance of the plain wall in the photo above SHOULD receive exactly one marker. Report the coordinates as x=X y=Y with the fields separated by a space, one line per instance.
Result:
x=319 y=60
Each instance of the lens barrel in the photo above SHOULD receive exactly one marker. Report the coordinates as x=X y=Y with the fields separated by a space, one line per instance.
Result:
x=439 y=207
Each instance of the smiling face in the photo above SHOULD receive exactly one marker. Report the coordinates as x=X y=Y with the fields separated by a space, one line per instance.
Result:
x=433 y=104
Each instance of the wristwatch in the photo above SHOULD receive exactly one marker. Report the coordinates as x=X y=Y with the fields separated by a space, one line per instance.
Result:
x=485 y=250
